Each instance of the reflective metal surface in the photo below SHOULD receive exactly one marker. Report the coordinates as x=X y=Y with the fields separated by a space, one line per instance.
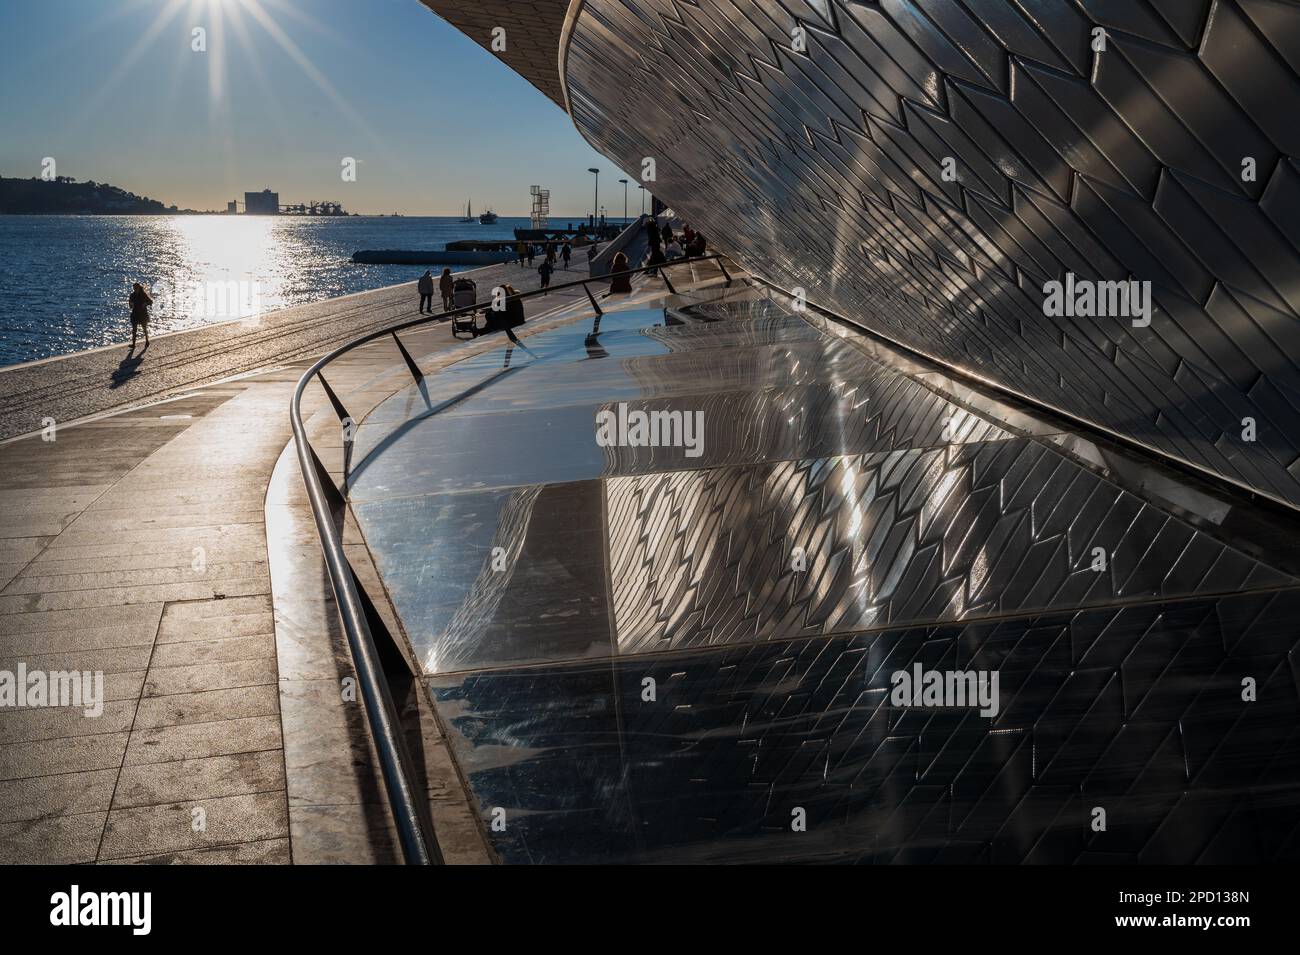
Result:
x=842 y=522
x=645 y=656
x=1134 y=711
x=1169 y=153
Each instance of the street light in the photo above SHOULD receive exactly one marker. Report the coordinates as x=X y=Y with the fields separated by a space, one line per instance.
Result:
x=642 y=188
x=624 y=182
x=595 y=199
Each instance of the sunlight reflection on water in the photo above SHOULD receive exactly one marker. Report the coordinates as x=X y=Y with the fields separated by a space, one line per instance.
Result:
x=65 y=279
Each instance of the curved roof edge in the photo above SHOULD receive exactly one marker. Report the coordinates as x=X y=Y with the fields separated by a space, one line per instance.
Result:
x=532 y=37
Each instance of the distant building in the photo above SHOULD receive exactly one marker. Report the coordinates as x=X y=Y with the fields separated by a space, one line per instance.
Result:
x=232 y=207
x=264 y=203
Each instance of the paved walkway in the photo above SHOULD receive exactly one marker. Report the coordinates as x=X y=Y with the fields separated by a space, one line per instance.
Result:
x=91 y=382
x=136 y=545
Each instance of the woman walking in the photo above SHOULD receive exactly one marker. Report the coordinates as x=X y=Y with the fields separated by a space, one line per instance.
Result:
x=139 y=301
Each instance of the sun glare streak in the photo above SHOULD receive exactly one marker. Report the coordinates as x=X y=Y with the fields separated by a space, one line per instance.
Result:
x=219 y=114
x=69 y=39
x=183 y=52
x=309 y=69
x=315 y=24
x=94 y=101
x=216 y=55
x=286 y=43
x=266 y=91
x=225 y=23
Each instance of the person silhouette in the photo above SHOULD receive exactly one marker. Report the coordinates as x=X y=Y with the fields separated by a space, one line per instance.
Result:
x=139 y=300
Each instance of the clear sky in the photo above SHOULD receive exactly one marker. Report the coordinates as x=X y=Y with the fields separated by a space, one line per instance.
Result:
x=287 y=88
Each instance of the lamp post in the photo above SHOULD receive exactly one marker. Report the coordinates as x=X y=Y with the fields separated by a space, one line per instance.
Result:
x=642 y=188
x=624 y=182
x=595 y=198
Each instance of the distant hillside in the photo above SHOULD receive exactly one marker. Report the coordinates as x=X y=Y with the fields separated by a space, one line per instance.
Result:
x=64 y=196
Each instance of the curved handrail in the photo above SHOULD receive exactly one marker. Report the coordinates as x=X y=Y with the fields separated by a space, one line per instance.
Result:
x=415 y=832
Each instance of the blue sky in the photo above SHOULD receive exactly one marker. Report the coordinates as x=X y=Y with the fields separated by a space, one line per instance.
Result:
x=113 y=91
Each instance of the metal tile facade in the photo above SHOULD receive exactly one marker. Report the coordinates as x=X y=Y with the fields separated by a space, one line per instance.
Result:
x=824 y=170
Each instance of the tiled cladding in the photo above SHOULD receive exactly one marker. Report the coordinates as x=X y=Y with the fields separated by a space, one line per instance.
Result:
x=822 y=170
x=532 y=34
x=1137 y=711
x=974 y=529
x=506 y=535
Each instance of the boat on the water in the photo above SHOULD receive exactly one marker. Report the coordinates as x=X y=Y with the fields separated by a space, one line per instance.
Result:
x=469 y=216
x=488 y=217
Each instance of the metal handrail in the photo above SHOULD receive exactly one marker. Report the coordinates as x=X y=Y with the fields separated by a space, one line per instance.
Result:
x=415 y=832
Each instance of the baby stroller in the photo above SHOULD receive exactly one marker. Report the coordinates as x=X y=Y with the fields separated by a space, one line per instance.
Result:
x=463 y=293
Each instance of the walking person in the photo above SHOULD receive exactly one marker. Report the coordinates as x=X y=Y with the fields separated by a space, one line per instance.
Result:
x=656 y=257
x=139 y=300
x=530 y=255
x=519 y=251
x=425 y=287
x=445 y=285
x=652 y=234
x=545 y=270
x=567 y=253
x=667 y=233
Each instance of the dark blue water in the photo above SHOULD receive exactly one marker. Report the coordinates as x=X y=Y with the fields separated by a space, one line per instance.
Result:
x=64 y=279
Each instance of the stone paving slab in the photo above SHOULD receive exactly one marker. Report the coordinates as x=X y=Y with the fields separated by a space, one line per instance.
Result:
x=145 y=546
x=265 y=852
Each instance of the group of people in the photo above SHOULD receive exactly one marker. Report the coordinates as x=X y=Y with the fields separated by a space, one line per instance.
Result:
x=547 y=268
x=425 y=287
x=525 y=251
x=666 y=245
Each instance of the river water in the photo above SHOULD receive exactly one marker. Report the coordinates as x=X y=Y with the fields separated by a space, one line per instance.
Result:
x=64 y=280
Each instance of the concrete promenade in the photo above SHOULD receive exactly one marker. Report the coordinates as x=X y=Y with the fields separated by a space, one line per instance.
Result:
x=90 y=382
x=168 y=547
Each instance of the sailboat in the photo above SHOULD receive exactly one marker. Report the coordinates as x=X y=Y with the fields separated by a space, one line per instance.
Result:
x=469 y=216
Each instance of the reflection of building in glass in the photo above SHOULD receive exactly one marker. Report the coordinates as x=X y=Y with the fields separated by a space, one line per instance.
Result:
x=930 y=172
x=264 y=203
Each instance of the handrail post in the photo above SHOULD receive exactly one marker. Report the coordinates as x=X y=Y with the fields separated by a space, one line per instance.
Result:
x=406 y=357
x=592 y=298
x=339 y=410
